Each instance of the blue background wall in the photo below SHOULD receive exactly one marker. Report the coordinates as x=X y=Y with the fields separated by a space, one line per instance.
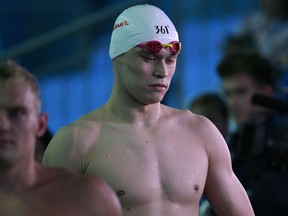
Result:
x=67 y=94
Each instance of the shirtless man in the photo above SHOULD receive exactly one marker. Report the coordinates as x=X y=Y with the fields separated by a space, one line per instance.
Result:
x=159 y=160
x=28 y=188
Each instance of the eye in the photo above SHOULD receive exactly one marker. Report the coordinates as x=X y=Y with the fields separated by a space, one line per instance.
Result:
x=241 y=92
x=171 y=60
x=15 y=113
x=148 y=57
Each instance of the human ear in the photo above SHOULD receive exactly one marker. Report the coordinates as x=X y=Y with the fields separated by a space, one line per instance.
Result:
x=42 y=124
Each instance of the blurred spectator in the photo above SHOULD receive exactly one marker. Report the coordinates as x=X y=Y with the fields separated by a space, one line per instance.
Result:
x=212 y=106
x=259 y=147
x=270 y=195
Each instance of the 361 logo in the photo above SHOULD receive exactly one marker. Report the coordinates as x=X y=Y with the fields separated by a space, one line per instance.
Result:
x=162 y=29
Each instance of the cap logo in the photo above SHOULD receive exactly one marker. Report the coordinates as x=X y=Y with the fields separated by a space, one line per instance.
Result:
x=162 y=29
x=123 y=23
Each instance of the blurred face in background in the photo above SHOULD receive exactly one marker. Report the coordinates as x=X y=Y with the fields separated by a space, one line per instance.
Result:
x=20 y=122
x=214 y=115
x=238 y=90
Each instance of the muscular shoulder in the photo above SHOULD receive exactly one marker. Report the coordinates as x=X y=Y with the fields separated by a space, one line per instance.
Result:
x=81 y=129
x=69 y=143
x=188 y=119
x=72 y=141
x=199 y=127
x=84 y=129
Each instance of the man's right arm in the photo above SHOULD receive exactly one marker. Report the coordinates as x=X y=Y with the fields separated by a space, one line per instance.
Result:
x=61 y=152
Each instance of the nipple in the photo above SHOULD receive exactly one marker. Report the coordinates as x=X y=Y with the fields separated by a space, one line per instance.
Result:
x=120 y=192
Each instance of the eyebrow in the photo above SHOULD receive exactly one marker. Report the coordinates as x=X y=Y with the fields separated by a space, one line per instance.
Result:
x=16 y=106
x=158 y=55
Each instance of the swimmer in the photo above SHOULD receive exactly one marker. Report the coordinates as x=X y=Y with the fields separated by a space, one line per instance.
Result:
x=28 y=188
x=158 y=159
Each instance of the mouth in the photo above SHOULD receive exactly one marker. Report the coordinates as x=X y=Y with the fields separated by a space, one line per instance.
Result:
x=4 y=142
x=158 y=87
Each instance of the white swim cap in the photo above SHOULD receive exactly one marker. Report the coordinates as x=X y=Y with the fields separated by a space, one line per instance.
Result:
x=139 y=24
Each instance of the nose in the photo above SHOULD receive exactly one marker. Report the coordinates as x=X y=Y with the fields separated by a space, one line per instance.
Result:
x=233 y=102
x=4 y=121
x=160 y=70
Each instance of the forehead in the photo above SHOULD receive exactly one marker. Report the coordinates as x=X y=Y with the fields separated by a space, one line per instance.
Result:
x=239 y=80
x=15 y=92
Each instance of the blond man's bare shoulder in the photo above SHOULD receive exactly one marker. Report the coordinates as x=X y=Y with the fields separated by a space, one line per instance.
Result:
x=55 y=192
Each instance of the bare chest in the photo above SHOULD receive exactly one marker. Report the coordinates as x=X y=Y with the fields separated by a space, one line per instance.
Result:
x=150 y=167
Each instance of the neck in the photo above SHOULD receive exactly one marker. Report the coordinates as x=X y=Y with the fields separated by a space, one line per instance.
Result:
x=17 y=177
x=143 y=115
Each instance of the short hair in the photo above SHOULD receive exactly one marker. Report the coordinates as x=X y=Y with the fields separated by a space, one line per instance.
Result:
x=10 y=70
x=258 y=67
x=213 y=101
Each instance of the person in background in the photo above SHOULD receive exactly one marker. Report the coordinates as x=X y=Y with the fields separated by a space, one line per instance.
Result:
x=28 y=188
x=212 y=105
x=259 y=146
x=158 y=159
